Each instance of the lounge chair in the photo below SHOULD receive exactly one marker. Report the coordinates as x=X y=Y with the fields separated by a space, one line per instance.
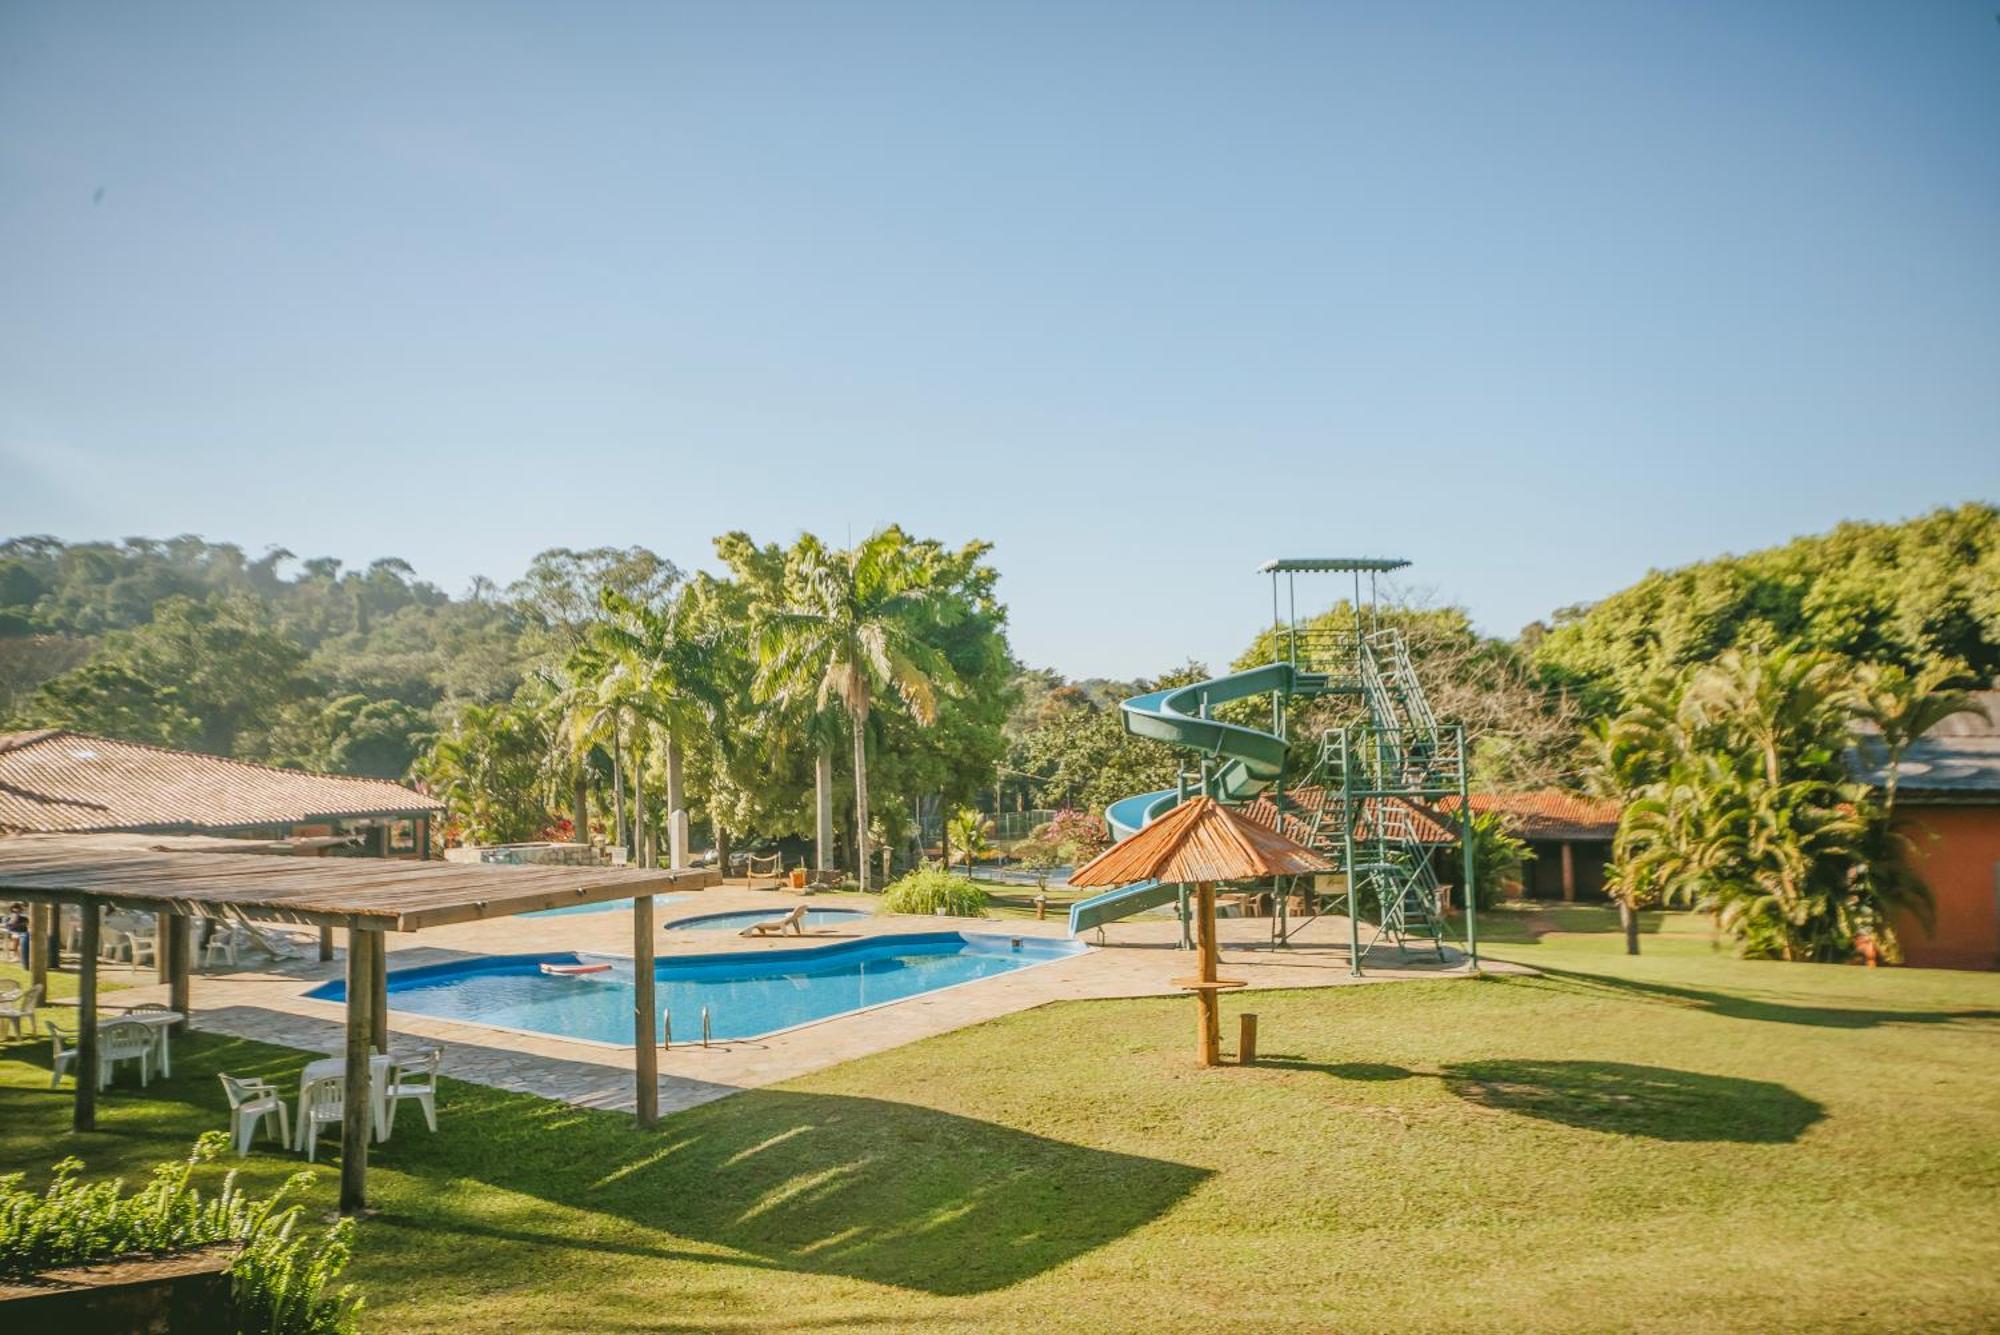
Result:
x=795 y=920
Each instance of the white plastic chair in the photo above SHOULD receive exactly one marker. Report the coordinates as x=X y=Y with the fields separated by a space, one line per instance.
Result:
x=321 y=1103
x=143 y=947
x=416 y=1080
x=125 y=1041
x=64 y=1055
x=165 y=1034
x=222 y=943
x=21 y=1011
x=251 y=1102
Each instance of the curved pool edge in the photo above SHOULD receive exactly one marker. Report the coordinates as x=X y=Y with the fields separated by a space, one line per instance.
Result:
x=334 y=991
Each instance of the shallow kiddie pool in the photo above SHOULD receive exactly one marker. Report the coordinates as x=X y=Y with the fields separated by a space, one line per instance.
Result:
x=747 y=993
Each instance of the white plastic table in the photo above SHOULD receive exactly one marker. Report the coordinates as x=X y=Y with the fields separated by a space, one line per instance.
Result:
x=380 y=1064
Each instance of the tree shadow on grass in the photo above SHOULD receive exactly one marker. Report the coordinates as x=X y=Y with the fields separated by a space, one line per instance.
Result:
x=1339 y=1070
x=892 y=1193
x=1622 y=1099
x=1741 y=1006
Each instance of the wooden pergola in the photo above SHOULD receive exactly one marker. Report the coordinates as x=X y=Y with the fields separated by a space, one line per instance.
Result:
x=367 y=897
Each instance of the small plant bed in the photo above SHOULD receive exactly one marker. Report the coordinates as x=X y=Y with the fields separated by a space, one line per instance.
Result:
x=74 y=1235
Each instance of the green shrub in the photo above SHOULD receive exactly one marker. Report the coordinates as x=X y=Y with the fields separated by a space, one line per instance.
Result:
x=280 y=1284
x=935 y=890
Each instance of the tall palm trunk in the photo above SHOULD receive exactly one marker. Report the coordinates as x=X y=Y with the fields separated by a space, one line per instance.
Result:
x=639 y=800
x=1628 y=918
x=861 y=798
x=579 y=807
x=823 y=806
x=618 y=784
x=676 y=807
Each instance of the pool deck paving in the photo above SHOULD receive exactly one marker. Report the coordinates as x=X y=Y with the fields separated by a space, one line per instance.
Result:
x=1139 y=958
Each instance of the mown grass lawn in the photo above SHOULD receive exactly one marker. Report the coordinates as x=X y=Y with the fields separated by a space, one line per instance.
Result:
x=1680 y=1141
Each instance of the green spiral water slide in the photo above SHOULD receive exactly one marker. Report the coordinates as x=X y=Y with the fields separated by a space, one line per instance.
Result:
x=1249 y=760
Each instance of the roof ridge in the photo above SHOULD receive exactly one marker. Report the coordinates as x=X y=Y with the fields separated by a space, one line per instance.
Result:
x=48 y=734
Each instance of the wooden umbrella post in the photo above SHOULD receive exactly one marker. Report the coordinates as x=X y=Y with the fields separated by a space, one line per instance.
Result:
x=1210 y=1040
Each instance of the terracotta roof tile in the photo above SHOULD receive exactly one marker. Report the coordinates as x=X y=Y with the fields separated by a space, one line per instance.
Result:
x=1548 y=814
x=1200 y=840
x=58 y=781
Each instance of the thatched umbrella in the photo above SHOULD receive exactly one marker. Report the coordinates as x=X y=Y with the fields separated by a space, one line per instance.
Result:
x=1201 y=842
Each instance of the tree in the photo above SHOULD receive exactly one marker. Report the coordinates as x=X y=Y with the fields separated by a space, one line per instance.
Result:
x=847 y=632
x=970 y=829
x=1915 y=595
x=489 y=769
x=1520 y=733
x=1738 y=802
x=213 y=675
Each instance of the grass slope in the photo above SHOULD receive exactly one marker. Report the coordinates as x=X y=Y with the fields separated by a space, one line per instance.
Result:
x=1683 y=1139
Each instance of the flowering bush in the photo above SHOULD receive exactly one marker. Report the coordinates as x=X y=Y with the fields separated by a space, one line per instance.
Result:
x=1080 y=834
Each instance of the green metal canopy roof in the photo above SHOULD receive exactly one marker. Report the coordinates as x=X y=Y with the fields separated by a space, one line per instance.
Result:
x=1326 y=564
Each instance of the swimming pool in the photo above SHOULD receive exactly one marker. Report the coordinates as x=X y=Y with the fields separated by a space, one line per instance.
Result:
x=737 y=921
x=605 y=906
x=748 y=994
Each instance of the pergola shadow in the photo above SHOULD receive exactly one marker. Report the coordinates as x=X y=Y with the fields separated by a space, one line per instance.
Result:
x=827 y=1184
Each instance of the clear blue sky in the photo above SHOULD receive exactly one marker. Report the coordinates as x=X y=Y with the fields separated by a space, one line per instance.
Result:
x=1537 y=295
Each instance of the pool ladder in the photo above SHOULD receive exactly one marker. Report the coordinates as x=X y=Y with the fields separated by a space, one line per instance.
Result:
x=667 y=1029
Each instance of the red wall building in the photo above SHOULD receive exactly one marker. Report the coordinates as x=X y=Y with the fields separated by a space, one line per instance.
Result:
x=1948 y=795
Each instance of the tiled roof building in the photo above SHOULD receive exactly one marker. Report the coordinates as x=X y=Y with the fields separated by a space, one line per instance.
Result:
x=57 y=781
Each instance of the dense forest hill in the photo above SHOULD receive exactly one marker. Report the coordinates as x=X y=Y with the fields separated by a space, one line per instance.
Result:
x=1919 y=594
x=306 y=662
x=185 y=642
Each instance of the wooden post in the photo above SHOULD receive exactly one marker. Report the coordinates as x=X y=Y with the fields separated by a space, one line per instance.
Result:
x=44 y=921
x=84 y=1116
x=1569 y=873
x=177 y=948
x=1246 y=1039
x=378 y=974
x=163 y=926
x=1210 y=1039
x=325 y=944
x=354 y=1125
x=645 y=1034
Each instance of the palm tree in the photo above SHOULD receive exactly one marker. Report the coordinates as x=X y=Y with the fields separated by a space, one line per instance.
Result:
x=1903 y=706
x=847 y=632
x=657 y=671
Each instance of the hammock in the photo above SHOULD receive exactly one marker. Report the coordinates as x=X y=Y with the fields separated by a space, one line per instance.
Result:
x=774 y=865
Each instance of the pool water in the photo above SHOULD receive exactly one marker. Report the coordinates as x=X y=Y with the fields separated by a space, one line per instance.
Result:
x=736 y=922
x=747 y=994
x=605 y=906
